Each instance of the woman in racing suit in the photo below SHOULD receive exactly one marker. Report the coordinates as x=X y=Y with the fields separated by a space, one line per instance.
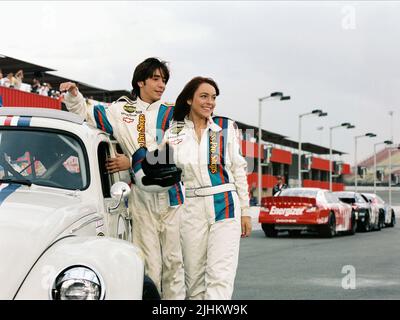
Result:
x=216 y=210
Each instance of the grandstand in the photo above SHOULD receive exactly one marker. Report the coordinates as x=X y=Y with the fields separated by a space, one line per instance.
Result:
x=9 y=64
x=382 y=163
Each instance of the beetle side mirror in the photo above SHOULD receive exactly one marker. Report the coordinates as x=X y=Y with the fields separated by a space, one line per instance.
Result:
x=120 y=192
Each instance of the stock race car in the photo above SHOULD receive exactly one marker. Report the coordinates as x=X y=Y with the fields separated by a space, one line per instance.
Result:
x=311 y=209
x=387 y=216
x=367 y=215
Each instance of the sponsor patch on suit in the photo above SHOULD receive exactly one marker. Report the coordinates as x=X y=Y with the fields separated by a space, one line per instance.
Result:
x=129 y=108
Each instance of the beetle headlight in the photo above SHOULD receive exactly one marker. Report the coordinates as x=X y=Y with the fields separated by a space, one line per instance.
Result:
x=77 y=283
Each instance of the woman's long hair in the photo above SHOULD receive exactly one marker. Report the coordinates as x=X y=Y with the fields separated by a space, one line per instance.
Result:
x=182 y=107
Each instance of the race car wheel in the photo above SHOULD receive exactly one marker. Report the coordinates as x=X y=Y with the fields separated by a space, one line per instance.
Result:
x=329 y=230
x=150 y=291
x=353 y=229
x=367 y=223
x=294 y=233
x=381 y=220
x=377 y=227
x=393 y=220
x=269 y=230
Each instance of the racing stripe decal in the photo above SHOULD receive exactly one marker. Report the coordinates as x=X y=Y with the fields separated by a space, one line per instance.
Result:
x=223 y=202
x=24 y=121
x=223 y=123
x=6 y=190
x=175 y=195
x=137 y=159
x=7 y=122
x=223 y=206
x=101 y=119
x=163 y=119
x=15 y=121
x=229 y=211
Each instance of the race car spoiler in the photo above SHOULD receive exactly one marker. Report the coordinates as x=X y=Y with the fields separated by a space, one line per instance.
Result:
x=285 y=201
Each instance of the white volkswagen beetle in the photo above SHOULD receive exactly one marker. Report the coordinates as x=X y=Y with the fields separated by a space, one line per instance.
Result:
x=64 y=223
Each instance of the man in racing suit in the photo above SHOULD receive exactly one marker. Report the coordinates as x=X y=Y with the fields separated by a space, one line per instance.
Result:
x=134 y=124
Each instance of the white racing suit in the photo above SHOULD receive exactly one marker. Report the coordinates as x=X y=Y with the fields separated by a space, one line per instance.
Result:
x=216 y=189
x=155 y=216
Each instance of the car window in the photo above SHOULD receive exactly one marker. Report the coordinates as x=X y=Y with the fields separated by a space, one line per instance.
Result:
x=324 y=196
x=368 y=197
x=299 y=193
x=361 y=199
x=107 y=179
x=333 y=198
x=124 y=175
x=380 y=200
x=47 y=158
x=346 y=197
x=347 y=200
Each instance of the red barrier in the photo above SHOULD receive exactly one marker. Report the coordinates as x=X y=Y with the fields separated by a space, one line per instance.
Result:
x=250 y=149
x=346 y=169
x=281 y=156
x=319 y=164
x=267 y=181
x=16 y=98
x=311 y=184
x=337 y=187
x=323 y=185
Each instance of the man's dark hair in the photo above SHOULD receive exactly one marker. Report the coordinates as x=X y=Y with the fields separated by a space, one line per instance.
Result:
x=182 y=109
x=145 y=70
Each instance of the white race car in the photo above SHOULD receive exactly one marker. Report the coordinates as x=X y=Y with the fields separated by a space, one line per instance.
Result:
x=64 y=223
x=387 y=216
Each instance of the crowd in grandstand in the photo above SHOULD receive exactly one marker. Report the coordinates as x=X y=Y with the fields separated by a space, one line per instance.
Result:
x=15 y=81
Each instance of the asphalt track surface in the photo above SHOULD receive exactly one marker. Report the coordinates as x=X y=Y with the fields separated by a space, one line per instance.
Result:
x=363 y=266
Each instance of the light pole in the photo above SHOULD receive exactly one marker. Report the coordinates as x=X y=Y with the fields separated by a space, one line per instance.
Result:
x=391 y=124
x=390 y=172
x=346 y=125
x=370 y=135
x=387 y=142
x=319 y=113
x=390 y=157
x=272 y=96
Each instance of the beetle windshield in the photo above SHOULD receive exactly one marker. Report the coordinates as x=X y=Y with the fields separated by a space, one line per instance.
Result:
x=44 y=158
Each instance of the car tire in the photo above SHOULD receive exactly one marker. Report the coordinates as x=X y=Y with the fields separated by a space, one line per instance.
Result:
x=382 y=219
x=269 y=230
x=353 y=228
x=329 y=230
x=377 y=226
x=294 y=233
x=150 y=291
x=366 y=227
x=392 y=221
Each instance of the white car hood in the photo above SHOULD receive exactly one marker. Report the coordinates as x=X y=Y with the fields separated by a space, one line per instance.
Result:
x=31 y=219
